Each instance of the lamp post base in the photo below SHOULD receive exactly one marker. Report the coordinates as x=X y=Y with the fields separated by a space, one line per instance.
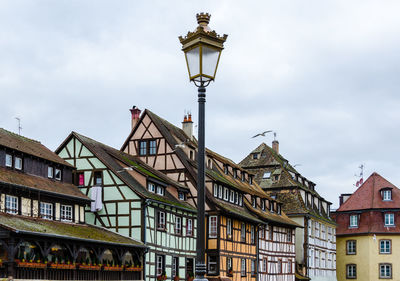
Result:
x=200 y=272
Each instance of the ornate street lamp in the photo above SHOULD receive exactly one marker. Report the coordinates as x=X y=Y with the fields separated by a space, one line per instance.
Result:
x=202 y=50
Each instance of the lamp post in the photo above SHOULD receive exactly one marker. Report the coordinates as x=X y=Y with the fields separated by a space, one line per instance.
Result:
x=202 y=50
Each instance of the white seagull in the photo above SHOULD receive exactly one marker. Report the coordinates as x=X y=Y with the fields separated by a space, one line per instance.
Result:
x=261 y=134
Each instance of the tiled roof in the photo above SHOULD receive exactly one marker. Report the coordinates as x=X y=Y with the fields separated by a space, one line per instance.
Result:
x=368 y=195
x=112 y=158
x=29 y=146
x=8 y=176
x=173 y=133
x=86 y=232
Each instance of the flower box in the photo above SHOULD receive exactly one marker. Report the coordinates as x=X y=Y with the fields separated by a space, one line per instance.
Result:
x=89 y=267
x=62 y=266
x=133 y=268
x=113 y=268
x=32 y=264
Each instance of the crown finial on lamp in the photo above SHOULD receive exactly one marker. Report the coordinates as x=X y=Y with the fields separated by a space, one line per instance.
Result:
x=203 y=18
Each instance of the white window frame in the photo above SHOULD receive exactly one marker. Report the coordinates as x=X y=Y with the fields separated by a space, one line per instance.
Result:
x=389 y=219
x=232 y=196
x=229 y=227
x=178 y=225
x=226 y=193
x=236 y=198
x=220 y=191
x=243 y=267
x=351 y=271
x=11 y=204
x=160 y=264
x=353 y=221
x=46 y=210
x=385 y=249
x=189 y=227
x=387 y=195
x=264 y=265
x=240 y=200
x=50 y=172
x=215 y=190
x=18 y=163
x=9 y=160
x=55 y=174
x=175 y=267
x=161 y=220
x=267 y=175
x=160 y=190
x=213 y=227
x=351 y=247
x=151 y=187
x=387 y=270
x=66 y=213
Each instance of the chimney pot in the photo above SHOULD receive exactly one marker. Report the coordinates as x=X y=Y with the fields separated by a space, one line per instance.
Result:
x=187 y=126
x=135 y=115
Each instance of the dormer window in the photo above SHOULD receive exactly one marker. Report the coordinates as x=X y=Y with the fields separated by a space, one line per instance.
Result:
x=263 y=204
x=267 y=175
x=240 y=200
x=160 y=190
x=253 y=201
x=151 y=187
x=250 y=179
x=234 y=173
x=386 y=195
x=181 y=196
x=271 y=207
x=57 y=174
x=243 y=176
x=255 y=155
x=18 y=163
x=226 y=169
x=50 y=172
x=278 y=207
x=8 y=160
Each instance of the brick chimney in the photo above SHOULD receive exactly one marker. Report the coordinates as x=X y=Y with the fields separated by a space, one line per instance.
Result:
x=187 y=125
x=135 y=115
x=275 y=146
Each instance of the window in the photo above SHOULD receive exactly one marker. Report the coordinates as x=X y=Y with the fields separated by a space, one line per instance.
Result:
x=243 y=267
x=151 y=187
x=66 y=212
x=253 y=267
x=264 y=265
x=250 y=179
x=160 y=265
x=46 y=210
x=278 y=209
x=243 y=176
x=235 y=173
x=160 y=190
x=226 y=194
x=50 y=172
x=385 y=247
x=98 y=178
x=175 y=266
x=81 y=179
x=181 y=196
x=189 y=227
x=267 y=175
x=271 y=233
x=232 y=197
x=152 y=147
x=142 y=148
x=212 y=265
x=229 y=266
x=385 y=270
x=243 y=232
x=229 y=228
x=255 y=155
x=253 y=201
x=212 y=227
x=215 y=190
x=271 y=206
x=18 y=163
x=191 y=154
x=178 y=225
x=353 y=220
x=289 y=235
x=276 y=177
x=279 y=266
x=220 y=191
x=252 y=235
x=236 y=198
x=317 y=229
x=240 y=200
x=57 y=174
x=8 y=160
x=351 y=247
x=226 y=170
x=161 y=220
x=261 y=231
x=263 y=204
x=351 y=271
x=389 y=219
x=11 y=204
x=290 y=266
x=387 y=195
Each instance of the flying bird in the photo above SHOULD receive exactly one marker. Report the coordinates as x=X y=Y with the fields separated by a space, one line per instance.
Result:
x=261 y=134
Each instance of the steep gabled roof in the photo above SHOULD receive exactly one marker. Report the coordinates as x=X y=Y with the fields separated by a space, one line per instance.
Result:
x=368 y=195
x=112 y=158
x=29 y=146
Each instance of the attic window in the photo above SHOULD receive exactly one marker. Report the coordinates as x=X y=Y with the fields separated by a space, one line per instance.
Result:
x=181 y=195
x=386 y=195
x=253 y=201
x=243 y=176
x=160 y=190
x=255 y=155
x=263 y=204
x=267 y=175
x=276 y=177
x=235 y=173
x=191 y=155
x=226 y=169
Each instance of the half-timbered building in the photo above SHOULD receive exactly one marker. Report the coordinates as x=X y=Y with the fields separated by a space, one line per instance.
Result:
x=235 y=205
x=137 y=201
x=315 y=240
x=43 y=234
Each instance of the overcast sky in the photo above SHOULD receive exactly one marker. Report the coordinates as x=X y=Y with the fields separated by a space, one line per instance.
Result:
x=323 y=74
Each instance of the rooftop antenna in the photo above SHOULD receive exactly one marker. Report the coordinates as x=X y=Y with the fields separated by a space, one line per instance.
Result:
x=274 y=136
x=19 y=125
x=360 y=176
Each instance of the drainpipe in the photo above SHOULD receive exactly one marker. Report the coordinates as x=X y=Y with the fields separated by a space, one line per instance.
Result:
x=257 y=251
x=144 y=215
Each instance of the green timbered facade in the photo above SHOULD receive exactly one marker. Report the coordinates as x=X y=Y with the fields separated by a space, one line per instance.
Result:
x=132 y=199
